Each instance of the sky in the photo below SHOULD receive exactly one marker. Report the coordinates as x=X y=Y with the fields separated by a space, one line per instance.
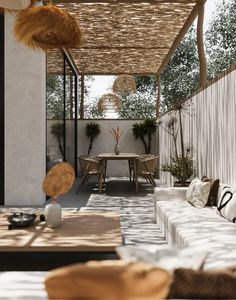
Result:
x=102 y=84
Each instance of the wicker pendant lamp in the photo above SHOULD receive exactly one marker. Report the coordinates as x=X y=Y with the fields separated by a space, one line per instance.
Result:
x=109 y=102
x=47 y=27
x=124 y=85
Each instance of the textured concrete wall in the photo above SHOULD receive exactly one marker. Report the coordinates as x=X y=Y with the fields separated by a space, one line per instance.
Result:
x=25 y=133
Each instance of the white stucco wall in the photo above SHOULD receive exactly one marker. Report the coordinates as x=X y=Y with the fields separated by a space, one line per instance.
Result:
x=25 y=139
x=105 y=142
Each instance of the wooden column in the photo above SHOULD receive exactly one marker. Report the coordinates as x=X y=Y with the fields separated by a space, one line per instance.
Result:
x=200 y=45
x=82 y=97
x=2 y=109
x=158 y=80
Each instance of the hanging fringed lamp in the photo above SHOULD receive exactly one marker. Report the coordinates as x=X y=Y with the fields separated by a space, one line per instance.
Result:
x=124 y=85
x=109 y=102
x=47 y=27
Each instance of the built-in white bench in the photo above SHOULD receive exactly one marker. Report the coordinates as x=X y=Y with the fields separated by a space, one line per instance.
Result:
x=185 y=225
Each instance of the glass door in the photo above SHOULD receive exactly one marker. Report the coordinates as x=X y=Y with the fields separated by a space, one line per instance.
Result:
x=61 y=112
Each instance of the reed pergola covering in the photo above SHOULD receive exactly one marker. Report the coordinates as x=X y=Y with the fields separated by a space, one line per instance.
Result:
x=126 y=36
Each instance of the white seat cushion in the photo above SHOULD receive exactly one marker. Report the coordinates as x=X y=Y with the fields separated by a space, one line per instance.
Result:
x=189 y=226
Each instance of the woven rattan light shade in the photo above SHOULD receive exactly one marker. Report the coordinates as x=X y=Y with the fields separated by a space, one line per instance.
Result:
x=109 y=102
x=47 y=27
x=124 y=85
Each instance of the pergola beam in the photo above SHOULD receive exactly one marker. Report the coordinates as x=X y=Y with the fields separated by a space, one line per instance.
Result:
x=124 y=48
x=158 y=82
x=124 y=1
x=200 y=45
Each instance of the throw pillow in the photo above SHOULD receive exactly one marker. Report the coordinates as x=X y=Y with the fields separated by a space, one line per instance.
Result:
x=212 y=198
x=198 y=192
x=227 y=204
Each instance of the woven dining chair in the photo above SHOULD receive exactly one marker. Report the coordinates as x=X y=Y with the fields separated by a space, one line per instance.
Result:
x=145 y=168
x=132 y=166
x=91 y=166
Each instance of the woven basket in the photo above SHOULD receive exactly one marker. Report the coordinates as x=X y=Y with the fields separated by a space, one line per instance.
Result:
x=47 y=27
x=124 y=85
x=109 y=102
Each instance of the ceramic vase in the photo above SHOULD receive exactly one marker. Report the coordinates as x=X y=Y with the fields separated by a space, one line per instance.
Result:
x=53 y=213
x=117 y=149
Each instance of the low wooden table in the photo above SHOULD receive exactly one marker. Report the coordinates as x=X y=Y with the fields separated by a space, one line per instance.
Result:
x=81 y=237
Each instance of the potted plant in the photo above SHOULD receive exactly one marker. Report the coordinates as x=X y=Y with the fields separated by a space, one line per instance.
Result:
x=145 y=132
x=92 y=131
x=181 y=165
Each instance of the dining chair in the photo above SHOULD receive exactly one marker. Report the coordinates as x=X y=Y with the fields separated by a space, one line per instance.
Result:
x=145 y=168
x=132 y=166
x=90 y=166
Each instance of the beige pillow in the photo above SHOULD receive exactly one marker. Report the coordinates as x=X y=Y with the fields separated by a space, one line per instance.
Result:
x=198 y=192
x=118 y=280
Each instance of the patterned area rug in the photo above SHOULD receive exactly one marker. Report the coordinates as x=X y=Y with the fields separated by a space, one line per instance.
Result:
x=137 y=217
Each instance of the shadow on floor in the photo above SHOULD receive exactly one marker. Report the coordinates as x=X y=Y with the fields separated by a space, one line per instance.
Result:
x=115 y=186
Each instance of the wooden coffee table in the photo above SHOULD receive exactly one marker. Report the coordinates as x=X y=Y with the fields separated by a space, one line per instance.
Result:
x=81 y=237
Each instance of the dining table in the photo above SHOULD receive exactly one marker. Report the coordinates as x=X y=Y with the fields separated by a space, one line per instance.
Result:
x=129 y=156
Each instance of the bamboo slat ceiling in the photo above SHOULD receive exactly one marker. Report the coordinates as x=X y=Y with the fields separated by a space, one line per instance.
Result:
x=124 y=36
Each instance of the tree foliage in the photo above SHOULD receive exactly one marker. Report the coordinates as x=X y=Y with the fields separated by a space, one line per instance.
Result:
x=55 y=96
x=180 y=78
x=138 y=106
x=221 y=39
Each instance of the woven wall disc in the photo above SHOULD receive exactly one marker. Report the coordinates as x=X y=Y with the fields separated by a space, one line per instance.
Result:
x=59 y=180
x=109 y=102
x=124 y=85
x=47 y=27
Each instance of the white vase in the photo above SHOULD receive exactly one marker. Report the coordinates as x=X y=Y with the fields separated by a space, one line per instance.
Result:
x=53 y=215
x=117 y=149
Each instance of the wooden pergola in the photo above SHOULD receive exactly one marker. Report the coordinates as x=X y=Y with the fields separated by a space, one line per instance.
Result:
x=131 y=36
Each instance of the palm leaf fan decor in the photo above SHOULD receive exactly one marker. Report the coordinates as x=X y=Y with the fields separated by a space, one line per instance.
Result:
x=109 y=102
x=47 y=27
x=124 y=85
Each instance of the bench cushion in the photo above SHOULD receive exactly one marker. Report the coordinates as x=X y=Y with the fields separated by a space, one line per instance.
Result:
x=186 y=225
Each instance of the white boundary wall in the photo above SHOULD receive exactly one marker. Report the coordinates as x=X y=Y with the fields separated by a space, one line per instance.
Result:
x=209 y=125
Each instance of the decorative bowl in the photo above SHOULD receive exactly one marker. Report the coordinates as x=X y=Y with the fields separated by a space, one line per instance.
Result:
x=21 y=219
